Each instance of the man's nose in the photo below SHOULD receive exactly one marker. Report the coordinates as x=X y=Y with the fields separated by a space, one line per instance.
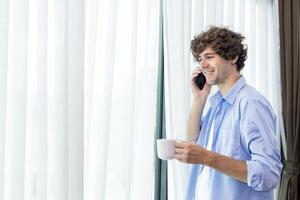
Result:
x=204 y=63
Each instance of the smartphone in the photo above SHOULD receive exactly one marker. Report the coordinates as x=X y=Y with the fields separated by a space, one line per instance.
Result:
x=200 y=80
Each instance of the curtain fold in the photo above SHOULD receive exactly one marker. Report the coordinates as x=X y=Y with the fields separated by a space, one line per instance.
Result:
x=289 y=21
x=36 y=134
x=3 y=84
x=100 y=98
x=75 y=98
x=15 y=120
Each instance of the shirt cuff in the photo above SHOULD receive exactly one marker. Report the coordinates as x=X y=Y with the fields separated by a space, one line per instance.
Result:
x=256 y=177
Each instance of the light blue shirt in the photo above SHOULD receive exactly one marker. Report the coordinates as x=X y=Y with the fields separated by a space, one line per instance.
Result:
x=244 y=129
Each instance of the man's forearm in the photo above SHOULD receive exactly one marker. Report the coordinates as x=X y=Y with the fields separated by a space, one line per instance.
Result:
x=235 y=168
x=193 y=153
x=194 y=119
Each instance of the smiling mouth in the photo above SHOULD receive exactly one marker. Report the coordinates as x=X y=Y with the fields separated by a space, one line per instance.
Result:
x=208 y=72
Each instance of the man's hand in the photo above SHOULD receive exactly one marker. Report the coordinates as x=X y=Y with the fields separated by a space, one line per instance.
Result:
x=197 y=93
x=190 y=152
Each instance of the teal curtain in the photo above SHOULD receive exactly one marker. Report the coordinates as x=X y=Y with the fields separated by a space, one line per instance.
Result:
x=161 y=174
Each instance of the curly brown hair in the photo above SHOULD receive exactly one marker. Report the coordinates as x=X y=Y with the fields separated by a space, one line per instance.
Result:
x=224 y=42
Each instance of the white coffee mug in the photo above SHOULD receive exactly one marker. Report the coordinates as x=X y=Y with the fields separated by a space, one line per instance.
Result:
x=166 y=148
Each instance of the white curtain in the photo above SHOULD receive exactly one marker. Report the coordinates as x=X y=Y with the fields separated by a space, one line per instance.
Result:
x=177 y=34
x=120 y=89
x=77 y=99
x=256 y=20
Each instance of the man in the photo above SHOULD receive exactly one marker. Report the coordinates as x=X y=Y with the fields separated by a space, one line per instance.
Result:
x=233 y=148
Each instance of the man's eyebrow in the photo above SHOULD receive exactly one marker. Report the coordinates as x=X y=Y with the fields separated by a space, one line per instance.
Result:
x=207 y=54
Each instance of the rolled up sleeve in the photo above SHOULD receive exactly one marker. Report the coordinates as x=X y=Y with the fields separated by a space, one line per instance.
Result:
x=258 y=127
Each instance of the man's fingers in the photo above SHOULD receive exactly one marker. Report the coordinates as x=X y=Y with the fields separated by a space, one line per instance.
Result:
x=180 y=144
x=183 y=146
x=179 y=150
x=180 y=157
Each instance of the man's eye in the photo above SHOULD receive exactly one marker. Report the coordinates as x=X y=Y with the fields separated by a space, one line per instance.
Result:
x=209 y=57
x=199 y=59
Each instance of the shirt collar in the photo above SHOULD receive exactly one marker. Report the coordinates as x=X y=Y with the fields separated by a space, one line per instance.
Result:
x=231 y=94
x=215 y=98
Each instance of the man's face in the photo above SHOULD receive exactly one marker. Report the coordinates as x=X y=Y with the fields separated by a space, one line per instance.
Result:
x=215 y=68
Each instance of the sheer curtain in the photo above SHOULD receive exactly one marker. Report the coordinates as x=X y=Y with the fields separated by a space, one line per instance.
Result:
x=41 y=100
x=77 y=99
x=256 y=20
x=120 y=91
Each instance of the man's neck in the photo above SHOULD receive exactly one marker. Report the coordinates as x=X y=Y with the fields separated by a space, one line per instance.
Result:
x=229 y=83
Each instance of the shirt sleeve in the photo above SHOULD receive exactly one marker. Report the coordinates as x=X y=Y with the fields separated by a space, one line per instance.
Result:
x=258 y=128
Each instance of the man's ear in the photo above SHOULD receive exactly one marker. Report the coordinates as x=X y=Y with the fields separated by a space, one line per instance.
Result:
x=233 y=61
